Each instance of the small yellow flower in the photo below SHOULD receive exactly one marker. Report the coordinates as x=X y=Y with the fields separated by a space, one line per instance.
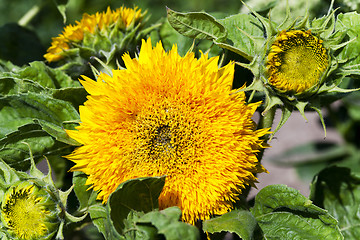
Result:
x=29 y=212
x=122 y=18
x=175 y=116
x=296 y=62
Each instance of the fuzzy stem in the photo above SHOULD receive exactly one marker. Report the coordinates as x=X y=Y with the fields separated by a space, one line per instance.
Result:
x=29 y=15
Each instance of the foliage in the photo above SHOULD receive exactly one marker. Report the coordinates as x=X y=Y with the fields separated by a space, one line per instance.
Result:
x=39 y=101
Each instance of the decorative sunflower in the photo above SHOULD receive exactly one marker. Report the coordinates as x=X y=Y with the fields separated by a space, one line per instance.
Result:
x=106 y=35
x=175 y=116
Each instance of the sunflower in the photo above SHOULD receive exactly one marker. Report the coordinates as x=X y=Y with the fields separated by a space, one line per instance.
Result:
x=103 y=35
x=296 y=62
x=169 y=115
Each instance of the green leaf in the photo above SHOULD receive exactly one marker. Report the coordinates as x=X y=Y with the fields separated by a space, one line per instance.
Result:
x=85 y=196
x=241 y=222
x=75 y=95
x=199 y=25
x=18 y=110
x=351 y=52
x=19 y=45
x=46 y=76
x=140 y=194
x=283 y=213
x=10 y=85
x=167 y=223
x=15 y=153
x=338 y=190
x=61 y=6
x=244 y=33
x=99 y=217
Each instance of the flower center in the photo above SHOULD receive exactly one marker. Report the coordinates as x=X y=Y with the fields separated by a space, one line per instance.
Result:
x=166 y=136
x=23 y=214
x=296 y=62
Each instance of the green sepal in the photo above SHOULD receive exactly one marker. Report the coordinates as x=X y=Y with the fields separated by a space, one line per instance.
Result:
x=197 y=25
x=337 y=190
x=240 y=222
x=283 y=213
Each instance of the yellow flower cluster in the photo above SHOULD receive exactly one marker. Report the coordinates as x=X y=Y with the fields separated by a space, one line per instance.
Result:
x=122 y=17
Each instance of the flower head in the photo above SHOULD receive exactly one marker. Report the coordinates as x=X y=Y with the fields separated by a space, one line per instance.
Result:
x=106 y=35
x=29 y=211
x=296 y=62
x=169 y=115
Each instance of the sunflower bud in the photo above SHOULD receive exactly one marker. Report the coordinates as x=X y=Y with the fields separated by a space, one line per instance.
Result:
x=106 y=36
x=296 y=62
x=30 y=211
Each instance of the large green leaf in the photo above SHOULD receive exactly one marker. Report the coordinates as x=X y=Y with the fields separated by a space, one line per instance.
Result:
x=99 y=217
x=241 y=222
x=18 y=110
x=85 y=196
x=15 y=153
x=139 y=194
x=46 y=76
x=245 y=34
x=167 y=223
x=338 y=190
x=351 y=52
x=199 y=25
x=283 y=213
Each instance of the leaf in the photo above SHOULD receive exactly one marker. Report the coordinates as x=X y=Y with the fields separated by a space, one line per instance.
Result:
x=10 y=85
x=338 y=190
x=61 y=6
x=198 y=25
x=245 y=34
x=18 y=110
x=16 y=154
x=75 y=95
x=349 y=21
x=167 y=223
x=85 y=196
x=46 y=76
x=140 y=194
x=19 y=45
x=283 y=213
x=241 y=222
x=99 y=217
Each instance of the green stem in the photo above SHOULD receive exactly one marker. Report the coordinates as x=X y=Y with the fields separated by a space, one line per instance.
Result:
x=266 y=121
x=29 y=15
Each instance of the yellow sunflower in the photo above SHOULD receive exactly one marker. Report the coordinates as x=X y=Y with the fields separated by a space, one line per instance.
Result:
x=296 y=62
x=103 y=22
x=175 y=116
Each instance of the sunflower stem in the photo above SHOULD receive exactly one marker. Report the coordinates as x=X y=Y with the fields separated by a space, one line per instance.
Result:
x=267 y=120
x=29 y=15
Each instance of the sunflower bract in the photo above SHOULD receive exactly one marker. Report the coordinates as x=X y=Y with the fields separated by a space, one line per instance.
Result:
x=169 y=115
